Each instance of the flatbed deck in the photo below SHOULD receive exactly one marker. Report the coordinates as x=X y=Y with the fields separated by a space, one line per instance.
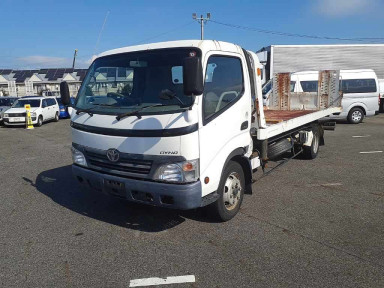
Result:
x=288 y=120
x=277 y=116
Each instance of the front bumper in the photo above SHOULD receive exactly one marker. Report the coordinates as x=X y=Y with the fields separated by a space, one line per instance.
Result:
x=177 y=196
x=7 y=121
x=63 y=114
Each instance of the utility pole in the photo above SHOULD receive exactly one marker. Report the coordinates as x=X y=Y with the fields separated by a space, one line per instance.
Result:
x=202 y=21
x=74 y=59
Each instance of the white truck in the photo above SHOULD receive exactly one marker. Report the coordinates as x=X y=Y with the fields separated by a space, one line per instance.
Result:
x=181 y=124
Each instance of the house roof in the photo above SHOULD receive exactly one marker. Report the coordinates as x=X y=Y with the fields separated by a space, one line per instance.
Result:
x=46 y=75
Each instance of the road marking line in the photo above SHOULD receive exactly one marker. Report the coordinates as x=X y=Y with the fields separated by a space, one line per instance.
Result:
x=325 y=185
x=162 y=281
x=362 y=136
x=371 y=152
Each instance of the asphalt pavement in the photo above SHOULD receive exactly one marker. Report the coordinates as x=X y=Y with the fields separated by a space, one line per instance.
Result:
x=317 y=223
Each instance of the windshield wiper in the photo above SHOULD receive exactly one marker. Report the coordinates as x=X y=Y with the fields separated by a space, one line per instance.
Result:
x=137 y=112
x=88 y=111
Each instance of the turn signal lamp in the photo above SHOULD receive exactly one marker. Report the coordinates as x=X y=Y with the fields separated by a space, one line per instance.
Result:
x=188 y=166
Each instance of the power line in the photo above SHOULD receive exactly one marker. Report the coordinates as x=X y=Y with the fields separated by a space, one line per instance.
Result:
x=295 y=34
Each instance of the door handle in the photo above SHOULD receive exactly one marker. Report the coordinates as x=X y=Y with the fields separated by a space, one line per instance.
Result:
x=244 y=125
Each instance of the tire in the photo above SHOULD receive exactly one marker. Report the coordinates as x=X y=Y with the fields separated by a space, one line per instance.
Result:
x=278 y=148
x=310 y=152
x=355 y=116
x=39 y=121
x=381 y=109
x=231 y=189
x=56 y=117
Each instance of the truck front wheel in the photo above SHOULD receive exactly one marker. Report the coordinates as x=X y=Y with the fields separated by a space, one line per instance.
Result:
x=231 y=192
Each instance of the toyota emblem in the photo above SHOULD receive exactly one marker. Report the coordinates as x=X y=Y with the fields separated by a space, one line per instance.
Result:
x=113 y=155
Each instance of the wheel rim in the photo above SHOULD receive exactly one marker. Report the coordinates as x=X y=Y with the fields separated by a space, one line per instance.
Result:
x=40 y=121
x=315 y=143
x=356 y=116
x=232 y=191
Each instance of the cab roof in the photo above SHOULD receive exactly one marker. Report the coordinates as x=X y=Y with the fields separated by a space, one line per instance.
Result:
x=204 y=45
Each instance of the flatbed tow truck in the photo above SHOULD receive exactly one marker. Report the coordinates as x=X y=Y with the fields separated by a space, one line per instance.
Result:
x=182 y=124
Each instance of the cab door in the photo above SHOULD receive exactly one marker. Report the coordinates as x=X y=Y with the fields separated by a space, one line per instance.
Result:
x=226 y=114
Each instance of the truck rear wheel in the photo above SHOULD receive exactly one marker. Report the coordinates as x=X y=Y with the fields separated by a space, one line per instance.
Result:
x=231 y=192
x=310 y=152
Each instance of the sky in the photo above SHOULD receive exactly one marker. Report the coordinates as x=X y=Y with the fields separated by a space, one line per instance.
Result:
x=44 y=34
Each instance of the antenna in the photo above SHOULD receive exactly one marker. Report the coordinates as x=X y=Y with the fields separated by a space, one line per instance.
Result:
x=101 y=31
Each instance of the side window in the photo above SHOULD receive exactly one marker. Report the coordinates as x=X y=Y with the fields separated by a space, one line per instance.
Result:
x=309 y=86
x=267 y=87
x=292 y=86
x=44 y=104
x=358 y=86
x=223 y=84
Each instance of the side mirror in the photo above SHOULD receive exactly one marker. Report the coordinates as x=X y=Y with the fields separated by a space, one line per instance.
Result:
x=64 y=92
x=193 y=76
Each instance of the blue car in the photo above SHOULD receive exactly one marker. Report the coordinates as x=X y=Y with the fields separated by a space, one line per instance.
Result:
x=63 y=108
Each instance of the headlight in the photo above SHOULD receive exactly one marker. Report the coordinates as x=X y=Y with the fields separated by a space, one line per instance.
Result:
x=78 y=157
x=33 y=114
x=187 y=171
x=5 y=115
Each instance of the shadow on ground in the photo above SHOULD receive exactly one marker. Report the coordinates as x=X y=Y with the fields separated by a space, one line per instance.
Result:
x=61 y=187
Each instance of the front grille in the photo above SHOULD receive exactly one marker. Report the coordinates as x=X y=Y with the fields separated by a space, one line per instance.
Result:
x=125 y=164
x=17 y=114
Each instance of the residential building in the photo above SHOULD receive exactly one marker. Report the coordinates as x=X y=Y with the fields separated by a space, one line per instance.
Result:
x=35 y=82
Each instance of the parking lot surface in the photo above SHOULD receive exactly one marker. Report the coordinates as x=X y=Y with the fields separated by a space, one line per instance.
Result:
x=316 y=223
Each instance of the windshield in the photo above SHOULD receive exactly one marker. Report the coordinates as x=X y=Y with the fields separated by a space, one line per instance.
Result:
x=5 y=102
x=126 y=82
x=21 y=103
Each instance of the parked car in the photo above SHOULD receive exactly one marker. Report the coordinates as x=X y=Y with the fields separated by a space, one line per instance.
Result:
x=5 y=104
x=42 y=109
x=65 y=109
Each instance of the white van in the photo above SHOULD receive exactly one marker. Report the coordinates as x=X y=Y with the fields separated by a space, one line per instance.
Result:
x=381 y=90
x=360 y=92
